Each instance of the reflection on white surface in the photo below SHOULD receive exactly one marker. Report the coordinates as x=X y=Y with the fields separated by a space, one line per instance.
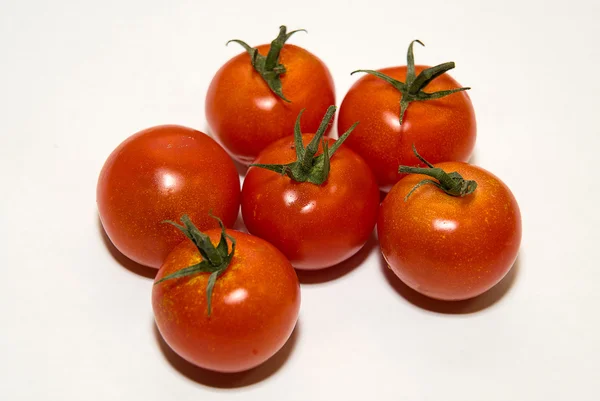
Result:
x=236 y=296
x=445 y=225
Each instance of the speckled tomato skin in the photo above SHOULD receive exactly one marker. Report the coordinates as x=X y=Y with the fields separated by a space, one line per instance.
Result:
x=314 y=226
x=160 y=174
x=442 y=130
x=245 y=116
x=255 y=305
x=446 y=247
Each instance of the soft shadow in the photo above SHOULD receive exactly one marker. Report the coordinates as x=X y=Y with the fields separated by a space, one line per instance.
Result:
x=472 y=305
x=123 y=260
x=228 y=380
x=206 y=129
x=341 y=269
x=242 y=169
x=473 y=158
x=239 y=223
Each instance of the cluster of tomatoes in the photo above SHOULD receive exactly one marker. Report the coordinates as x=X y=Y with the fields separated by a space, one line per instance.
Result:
x=227 y=300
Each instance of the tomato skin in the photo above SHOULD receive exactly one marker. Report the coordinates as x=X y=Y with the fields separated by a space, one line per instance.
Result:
x=446 y=247
x=245 y=116
x=255 y=305
x=443 y=129
x=315 y=226
x=159 y=174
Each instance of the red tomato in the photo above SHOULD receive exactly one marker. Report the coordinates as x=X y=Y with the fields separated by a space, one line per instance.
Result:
x=448 y=247
x=255 y=305
x=158 y=174
x=442 y=129
x=245 y=115
x=315 y=226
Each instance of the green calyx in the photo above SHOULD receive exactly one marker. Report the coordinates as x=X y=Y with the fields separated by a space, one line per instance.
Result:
x=308 y=167
x=412 y=89
x=451 y=183
x=214 y=259
x=269 y=67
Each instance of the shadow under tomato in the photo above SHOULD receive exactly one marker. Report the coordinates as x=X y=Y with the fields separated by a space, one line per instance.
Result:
x=242 y=169
x=239 y=224
x=228 y=380
x=341 y=269
x=467 y=306
x=123 y=260
x=473 y=158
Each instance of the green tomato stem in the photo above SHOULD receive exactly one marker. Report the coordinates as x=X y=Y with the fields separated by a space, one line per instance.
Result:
x=308 y=167
x=413 y=89
x=215 y=260
x=269 y=67
x=451 y=183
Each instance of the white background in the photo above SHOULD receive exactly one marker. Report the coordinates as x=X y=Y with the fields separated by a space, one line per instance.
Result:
x=78 y=77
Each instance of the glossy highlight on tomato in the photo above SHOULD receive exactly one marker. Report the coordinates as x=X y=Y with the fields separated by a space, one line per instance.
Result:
x=255 y=305
x=158 y=174
x=244 y=114
x=315 y=226
x=447 y=247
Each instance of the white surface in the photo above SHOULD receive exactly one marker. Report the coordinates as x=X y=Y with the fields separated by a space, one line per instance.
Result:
x=78 y=77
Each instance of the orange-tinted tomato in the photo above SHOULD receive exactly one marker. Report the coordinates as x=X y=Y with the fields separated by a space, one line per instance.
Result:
x=255 y=305
x=442 y=129
x=446 y=247
x=245 y=116
x=315 y=226
x=158 y=174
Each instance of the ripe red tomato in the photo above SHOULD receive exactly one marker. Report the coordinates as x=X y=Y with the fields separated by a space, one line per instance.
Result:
x=314 y=225
x=158 y=174
x=450 y=247
x=245 y=114
x=442 y=129
x=255 y=305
